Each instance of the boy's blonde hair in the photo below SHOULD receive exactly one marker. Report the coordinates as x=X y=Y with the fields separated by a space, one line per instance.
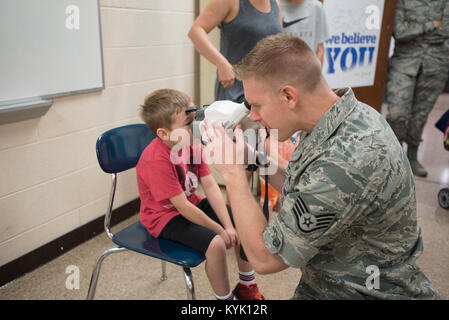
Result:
x=161 y=106
x=283 y=59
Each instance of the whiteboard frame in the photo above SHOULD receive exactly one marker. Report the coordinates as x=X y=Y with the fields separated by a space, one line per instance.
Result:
x=17 y=105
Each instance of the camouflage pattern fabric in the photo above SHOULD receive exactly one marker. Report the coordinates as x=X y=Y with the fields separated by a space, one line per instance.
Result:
x=419 y=67
x=348 y=203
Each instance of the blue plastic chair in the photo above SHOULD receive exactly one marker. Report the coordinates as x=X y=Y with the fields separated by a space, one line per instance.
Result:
x=118 y=150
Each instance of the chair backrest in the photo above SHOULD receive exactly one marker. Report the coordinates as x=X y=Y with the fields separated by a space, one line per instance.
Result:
x=119 y=149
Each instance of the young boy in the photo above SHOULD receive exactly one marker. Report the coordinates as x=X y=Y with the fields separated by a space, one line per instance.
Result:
x=168 y=175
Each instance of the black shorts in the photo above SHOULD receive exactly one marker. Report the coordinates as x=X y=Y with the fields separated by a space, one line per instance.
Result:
x=181 y=230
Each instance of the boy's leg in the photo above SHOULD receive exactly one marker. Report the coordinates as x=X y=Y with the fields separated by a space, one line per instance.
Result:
x=247 y=288
x=207 y=242
x=217 y=268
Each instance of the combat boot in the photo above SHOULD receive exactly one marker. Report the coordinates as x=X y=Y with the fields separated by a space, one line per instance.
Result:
x=417 y=168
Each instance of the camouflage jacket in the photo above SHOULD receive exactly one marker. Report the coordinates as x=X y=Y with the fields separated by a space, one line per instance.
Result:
x=348 y=209
x=417 y=41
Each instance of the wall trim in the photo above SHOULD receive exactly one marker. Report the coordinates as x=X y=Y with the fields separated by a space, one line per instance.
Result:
x=44 y=254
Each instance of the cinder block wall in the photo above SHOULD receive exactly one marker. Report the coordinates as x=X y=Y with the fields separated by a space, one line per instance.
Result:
x=50 y=182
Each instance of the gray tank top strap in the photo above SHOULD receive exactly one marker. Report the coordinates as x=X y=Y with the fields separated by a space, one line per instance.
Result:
x=240 y=35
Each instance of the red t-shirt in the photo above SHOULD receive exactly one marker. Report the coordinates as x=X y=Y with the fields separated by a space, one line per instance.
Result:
x=159 y=178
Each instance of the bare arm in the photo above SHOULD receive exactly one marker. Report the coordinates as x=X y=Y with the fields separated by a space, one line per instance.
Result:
x=280 y=11
x=250 y=223
x=215 y=197
x=215 y=12
x=248 y=217
x=320 y=53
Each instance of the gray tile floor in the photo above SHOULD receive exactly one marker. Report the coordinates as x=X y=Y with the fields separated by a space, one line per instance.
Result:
x=129 y=275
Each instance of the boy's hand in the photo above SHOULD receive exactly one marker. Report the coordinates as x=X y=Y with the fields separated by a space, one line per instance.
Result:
x=234 y=238
x=224 y=235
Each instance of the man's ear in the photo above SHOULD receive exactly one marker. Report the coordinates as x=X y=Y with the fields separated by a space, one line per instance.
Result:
x=163 y=134
x=289 y=96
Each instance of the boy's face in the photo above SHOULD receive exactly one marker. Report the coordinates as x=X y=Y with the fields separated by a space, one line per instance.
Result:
x=180 y=133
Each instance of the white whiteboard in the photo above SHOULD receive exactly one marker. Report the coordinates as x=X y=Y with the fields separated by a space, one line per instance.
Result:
x=49 y=48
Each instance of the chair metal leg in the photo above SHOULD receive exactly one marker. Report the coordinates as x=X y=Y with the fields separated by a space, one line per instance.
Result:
x=96 y=272
x=164 y=270
x=189 y=283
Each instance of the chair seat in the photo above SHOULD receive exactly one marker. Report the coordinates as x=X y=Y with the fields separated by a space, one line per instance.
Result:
x=136 y=238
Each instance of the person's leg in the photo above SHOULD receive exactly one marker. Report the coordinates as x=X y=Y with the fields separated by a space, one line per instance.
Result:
x=428 y=89
x=207 y=242
x=247 y=288
x=217 y=268
x=400 y=93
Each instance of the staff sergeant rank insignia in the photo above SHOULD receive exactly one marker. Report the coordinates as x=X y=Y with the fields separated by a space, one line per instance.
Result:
x=307 y=222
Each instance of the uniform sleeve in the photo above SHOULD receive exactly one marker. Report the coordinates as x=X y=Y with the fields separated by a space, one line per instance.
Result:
x=444 y=29
x=324 y=203
x=161 y=179
x=410 y=30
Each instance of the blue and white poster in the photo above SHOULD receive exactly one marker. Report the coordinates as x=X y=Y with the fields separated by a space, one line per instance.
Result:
x=350 y=55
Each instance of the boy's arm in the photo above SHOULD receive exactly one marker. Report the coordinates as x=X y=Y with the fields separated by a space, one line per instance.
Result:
x=197 y=216
x=215 y=197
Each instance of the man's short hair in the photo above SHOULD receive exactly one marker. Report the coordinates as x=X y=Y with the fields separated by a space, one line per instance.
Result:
x=282 y=59
x=161 y=106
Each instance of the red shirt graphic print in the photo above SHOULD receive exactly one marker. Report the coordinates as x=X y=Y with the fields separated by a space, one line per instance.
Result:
x=162 y=174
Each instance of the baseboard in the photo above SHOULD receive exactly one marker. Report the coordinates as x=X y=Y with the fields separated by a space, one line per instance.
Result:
x=38 y=257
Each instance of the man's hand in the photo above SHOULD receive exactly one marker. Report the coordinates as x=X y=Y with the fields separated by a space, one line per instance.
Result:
x=233 y=237
x=227 y=240
x=221 y=151
x=437 y=23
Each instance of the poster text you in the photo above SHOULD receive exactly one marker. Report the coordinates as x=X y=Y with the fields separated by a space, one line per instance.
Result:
x=345 y=51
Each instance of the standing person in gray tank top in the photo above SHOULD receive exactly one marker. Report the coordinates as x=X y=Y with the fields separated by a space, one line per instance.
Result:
x=242 y=23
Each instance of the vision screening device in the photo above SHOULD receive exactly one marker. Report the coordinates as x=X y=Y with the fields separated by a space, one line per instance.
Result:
x=231 y=114
x=228 y=112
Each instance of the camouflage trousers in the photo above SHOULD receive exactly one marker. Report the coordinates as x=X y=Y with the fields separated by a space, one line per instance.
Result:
x=410 y=100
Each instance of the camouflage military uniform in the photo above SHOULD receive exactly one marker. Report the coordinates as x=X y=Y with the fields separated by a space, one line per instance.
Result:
x=419 y=67
x=348 y=203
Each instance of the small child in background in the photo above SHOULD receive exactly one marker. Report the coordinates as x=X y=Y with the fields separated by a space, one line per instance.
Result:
x=169 y=171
